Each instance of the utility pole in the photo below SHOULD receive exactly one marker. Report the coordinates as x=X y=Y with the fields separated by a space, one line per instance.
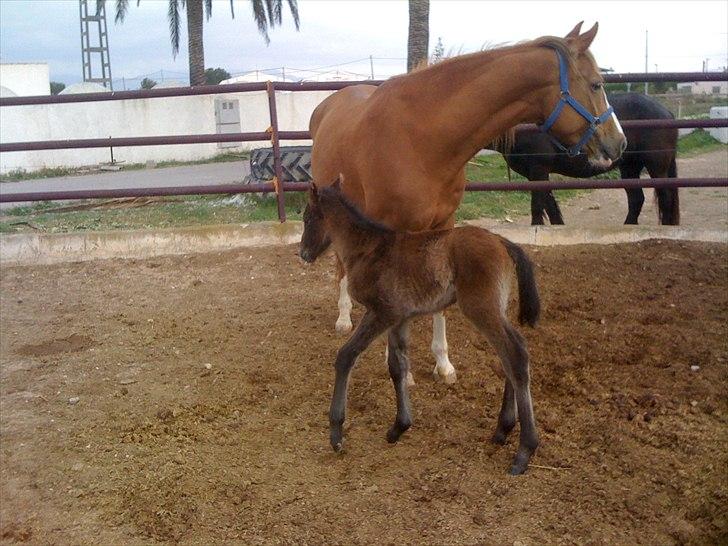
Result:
x=371 y=65
x=646 y=69
x=89 y=50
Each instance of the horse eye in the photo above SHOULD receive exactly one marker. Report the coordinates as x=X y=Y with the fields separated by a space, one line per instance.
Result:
x=596 y=86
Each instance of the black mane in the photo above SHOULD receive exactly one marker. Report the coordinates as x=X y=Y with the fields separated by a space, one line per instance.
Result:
x=356 y=216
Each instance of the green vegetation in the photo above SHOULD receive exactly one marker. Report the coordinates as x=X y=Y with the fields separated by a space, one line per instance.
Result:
x=697 y=142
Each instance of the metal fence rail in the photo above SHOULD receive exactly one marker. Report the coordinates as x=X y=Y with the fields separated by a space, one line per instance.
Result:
x=274 y=135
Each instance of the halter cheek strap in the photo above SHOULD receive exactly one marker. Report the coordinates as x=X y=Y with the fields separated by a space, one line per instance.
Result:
x=567 y=98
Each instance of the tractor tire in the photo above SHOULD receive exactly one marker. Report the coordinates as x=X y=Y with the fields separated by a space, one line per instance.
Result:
x=295 y=163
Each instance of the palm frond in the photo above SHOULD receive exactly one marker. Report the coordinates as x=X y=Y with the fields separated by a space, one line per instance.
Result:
x=270 y=9
x=293 y=6
x=208 y=9
x=173 y=18
x=122 y=6
x=232 y=9
x=261 y=18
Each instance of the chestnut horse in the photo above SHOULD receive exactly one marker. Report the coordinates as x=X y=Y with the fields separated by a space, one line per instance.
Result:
x=403 y=146
x=397 y=276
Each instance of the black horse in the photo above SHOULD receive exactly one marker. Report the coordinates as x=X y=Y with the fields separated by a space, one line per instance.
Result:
x=534 y=156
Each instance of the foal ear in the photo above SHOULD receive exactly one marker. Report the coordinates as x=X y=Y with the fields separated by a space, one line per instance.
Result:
x=338 y=182
x=575 y=31
x=313 y=190
x=582 y=42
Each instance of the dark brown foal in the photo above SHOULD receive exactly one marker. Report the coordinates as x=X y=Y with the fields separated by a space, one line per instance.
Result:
x=397 y=276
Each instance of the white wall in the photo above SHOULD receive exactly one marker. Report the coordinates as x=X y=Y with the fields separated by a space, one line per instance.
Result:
x=143 y=117
x=26 y=79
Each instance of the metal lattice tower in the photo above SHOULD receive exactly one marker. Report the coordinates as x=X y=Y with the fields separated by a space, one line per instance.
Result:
x=93 y=54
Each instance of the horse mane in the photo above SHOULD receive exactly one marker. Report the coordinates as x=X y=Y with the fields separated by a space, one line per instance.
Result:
x=356 y=216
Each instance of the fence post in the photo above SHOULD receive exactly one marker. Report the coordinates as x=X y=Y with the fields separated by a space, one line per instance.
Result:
x=278 y=178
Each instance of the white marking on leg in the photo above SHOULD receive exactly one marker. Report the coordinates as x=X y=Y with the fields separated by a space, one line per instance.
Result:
x=343 y=323
x=443 y=368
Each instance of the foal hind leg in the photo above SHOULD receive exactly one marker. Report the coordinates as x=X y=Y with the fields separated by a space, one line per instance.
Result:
x=343 y=322
x=489 y=317
x=398 y=368
x=443 y=367
x=507 y=415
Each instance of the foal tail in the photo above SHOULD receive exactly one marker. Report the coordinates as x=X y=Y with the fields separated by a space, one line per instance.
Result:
x=529 y=304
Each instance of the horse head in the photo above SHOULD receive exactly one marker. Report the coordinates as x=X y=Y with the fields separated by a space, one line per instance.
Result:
x=315 y=239
x=577 y=114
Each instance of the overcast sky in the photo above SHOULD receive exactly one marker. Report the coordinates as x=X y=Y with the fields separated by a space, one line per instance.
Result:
x=682 y=34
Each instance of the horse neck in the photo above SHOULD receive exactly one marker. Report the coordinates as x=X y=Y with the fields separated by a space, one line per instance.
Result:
x=473 y=99
x=349 y=239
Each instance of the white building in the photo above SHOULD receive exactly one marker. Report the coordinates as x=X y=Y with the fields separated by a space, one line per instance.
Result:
x=25 y=79
x=703 y=88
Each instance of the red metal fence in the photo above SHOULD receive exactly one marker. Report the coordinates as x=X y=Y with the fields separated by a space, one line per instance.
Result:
x=274 y=135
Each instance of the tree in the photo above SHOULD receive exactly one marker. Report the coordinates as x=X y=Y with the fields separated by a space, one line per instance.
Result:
x=267 y=14
x=438 y=53
x=213 y=76
x=147 y=83
x=418 y=40
x=57 y=87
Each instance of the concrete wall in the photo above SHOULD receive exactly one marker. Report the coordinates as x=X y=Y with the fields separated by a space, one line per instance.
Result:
x=143 y=117
x=719 y=133
x=26 y=79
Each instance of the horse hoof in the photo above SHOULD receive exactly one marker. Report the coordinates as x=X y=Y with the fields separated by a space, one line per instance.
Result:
x=518 y=468
x=338 y=446
x=343 y=326
x=449 y=379
x=395 y=433
x=498 y=438
x=410 y=380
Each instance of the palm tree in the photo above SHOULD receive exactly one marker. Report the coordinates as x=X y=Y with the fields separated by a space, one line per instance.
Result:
x=419 y=33
x=267 y=14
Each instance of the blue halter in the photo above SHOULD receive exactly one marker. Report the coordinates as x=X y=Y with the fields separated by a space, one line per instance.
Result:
x=567 y=98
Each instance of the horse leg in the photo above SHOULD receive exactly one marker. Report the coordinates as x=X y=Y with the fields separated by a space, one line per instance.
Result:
x=443 y=367
x=367 y=330
x=488 y=315
x=398 y=368
x=343 y=322
x=507 y=415
x=537 y=208
x=668 y=199
x=552 y=209
x=410 y=379
x=635 y=196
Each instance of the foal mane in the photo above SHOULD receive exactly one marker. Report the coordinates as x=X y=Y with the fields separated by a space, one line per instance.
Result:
x=356 y=216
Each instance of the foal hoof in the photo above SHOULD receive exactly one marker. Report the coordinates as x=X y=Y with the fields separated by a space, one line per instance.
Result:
x=395 y=433
x=343 y=326
x=499 y=438
x=337 y=441
x=520 y=464
x=449 y=379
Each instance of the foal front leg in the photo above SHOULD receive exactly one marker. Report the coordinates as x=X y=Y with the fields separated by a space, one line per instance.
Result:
x=367 y=330
x=398 y=370
x=443 y=367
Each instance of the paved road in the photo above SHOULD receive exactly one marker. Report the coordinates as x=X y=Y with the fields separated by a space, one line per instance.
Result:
x=190 y=175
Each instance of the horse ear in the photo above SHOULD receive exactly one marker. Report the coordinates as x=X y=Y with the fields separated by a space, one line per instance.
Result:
x=582 y=42
x=313 y=190
x=575 y=31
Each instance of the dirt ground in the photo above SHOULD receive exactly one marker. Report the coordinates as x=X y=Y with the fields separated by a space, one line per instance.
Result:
x=184 y=400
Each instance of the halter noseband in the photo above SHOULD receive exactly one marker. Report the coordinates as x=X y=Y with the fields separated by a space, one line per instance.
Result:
x=567 y=98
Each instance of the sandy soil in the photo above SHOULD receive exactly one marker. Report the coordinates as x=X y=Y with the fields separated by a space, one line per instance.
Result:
x=184 y=400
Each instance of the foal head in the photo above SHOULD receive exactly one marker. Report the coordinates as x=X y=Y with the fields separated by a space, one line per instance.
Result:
x=315 y=239
x=576 y=109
